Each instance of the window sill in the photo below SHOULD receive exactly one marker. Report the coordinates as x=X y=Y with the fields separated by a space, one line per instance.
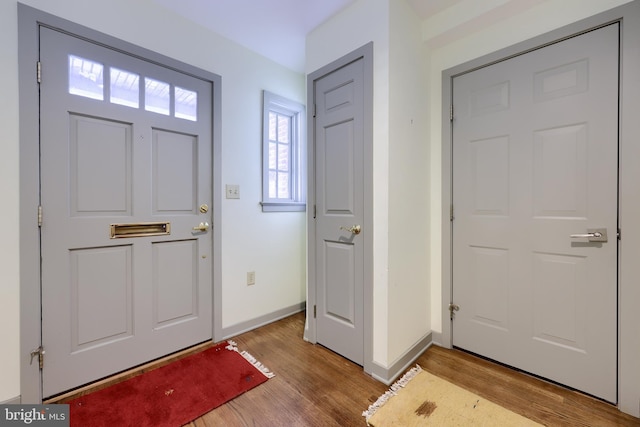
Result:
x=283 y=207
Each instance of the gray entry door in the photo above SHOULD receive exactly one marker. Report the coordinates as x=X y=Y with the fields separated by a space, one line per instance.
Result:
x=125 y=174
x=339 y=140
x=535 y=171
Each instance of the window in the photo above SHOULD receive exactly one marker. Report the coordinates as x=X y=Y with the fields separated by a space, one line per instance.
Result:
x=88 y=78
x=125 y=88
x=186 y=104
x=85 y=78
x=157 y=96
x=282 y=155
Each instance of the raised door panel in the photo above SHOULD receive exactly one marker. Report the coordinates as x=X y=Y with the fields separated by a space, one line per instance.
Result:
x=560 y=308
x=340 y=276
x=339 y=191
x=490 y=175
x=175 y=282
x=489 y=271
x=560 y=172
x=101 y=296
x=100 y=166
x=175 y=172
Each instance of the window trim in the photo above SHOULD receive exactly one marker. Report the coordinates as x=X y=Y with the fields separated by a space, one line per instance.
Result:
x=297 y=201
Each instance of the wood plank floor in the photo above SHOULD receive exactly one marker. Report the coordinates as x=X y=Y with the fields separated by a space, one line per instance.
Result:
x=315 y=387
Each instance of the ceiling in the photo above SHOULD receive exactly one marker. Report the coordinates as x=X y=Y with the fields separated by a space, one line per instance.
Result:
x=276 y=29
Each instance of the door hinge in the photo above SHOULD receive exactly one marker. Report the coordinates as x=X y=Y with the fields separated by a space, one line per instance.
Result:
x=452 y=309
x=39 y=215
x=39 y=72
x=314 y=211
x=451 y=113
x=40 y=353
x=451 y=216
x=314 y=110
x=314 y=311
x=619 y=234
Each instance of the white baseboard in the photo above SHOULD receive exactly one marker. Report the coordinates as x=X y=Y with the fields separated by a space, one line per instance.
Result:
x=14 y=401
x=388 y=375
x=252 y=324
x=437 y=339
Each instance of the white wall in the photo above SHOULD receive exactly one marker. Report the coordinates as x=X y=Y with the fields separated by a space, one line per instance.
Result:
x=9 y=204
x=408 y=294
x=247 y=233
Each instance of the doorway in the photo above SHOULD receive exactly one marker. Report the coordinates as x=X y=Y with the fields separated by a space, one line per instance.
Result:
x=105 y=188
x=535 y=139
x=339 y=302
x=628 y=372
x=125 y=185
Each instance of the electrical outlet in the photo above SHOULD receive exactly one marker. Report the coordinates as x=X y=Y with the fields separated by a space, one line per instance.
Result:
x=251 y=278
x=232 y=191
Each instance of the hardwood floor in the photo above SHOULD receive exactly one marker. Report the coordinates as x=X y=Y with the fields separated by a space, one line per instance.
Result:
x=316 y=387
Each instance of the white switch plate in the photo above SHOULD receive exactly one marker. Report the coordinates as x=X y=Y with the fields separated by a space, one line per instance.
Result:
x=251 y=278
x=232 y=191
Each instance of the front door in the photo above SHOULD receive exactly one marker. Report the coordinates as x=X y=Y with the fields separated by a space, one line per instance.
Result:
x=125 y=178
x=535 y=206
x=339 y=180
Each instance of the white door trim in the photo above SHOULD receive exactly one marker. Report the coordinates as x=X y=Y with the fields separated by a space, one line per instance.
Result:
x=629 y=205
x=366 y=54
x=29 y=21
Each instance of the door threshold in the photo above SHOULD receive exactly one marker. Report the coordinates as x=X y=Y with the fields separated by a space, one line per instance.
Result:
x=538 y=377
x=127 y=374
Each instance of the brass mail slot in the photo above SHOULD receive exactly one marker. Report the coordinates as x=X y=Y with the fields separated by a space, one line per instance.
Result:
x=140 y=229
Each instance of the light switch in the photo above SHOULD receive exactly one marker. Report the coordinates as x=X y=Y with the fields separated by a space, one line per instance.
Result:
x=232 y=191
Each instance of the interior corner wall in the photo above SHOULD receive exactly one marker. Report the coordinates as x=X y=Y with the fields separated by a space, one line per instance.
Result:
x=409 y=289
x=248 y=235
x=10 y=196
x=360 y=23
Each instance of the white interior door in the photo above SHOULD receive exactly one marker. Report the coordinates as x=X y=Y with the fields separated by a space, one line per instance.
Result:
x=125 y=150
x=339 y=152
x=534 y=162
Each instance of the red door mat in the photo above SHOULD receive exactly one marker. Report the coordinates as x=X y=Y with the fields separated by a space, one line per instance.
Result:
x=172 y=395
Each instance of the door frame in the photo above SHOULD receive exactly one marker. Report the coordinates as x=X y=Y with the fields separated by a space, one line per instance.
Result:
x=366 y=54
x=29 y=22
x=628 y=200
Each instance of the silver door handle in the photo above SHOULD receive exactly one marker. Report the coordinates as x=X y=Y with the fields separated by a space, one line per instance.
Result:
x=586 y=236
x=593 y=235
